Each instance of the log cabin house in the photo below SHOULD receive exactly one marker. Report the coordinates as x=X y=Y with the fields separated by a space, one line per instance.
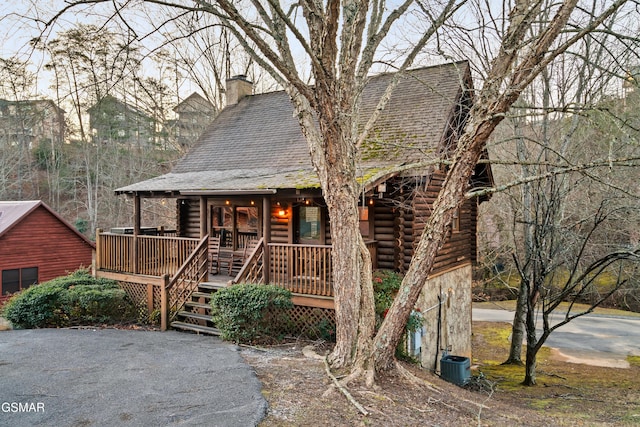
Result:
x=249 y=207
x=37 y=245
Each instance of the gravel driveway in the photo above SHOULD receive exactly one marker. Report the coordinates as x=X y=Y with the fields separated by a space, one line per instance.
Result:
x=110 y=377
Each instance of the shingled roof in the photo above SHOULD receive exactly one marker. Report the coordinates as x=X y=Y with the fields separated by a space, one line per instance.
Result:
x=257 y=144
x=12 y=212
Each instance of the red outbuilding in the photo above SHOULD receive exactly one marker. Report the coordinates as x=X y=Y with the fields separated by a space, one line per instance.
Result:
x=37 y=245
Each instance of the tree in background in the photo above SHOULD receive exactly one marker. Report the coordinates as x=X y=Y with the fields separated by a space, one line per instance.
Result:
x=568 y=213
x=17 y=115
x=97 y=73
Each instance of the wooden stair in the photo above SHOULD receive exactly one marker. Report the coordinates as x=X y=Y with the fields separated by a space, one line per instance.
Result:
x=195 y=316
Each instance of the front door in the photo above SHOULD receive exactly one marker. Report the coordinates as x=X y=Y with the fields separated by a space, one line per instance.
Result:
x=309 y=226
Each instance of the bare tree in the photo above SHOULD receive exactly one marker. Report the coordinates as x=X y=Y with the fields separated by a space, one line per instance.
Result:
x=550 y=131
x=18 y=116
x=96 y=68
x=340 y=42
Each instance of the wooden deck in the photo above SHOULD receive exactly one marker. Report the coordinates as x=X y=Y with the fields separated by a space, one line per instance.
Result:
x=163 y=271
x=299 y=298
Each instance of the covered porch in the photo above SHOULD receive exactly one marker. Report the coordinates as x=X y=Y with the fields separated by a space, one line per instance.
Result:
x=162 y=272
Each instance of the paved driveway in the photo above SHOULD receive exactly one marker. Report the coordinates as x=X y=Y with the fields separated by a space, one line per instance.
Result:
x=593 y=339
x=108 y=377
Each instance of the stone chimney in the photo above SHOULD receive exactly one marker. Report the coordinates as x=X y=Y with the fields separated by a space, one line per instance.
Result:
x=237 y=88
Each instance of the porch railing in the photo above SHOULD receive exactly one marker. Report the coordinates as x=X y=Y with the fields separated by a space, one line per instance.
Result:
x=191 y=273
x=305 y=269
x=162 y=272
x=253 y=269
x=147 y=255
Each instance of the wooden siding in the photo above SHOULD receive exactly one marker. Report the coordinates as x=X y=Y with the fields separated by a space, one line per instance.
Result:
x=397 y=225
x=188 y=218
x=280 y=226
x=42 y=240
x=459 y=249
x=384 y=234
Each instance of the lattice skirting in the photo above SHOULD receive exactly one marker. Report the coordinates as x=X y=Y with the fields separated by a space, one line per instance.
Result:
x=313 y=322
x=310 y=322
x=146 y=298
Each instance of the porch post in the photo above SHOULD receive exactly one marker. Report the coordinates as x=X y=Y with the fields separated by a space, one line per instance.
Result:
x=98 y=261
x=203 y=216
x=164 y=303
x=266 y=235
x=136 y=231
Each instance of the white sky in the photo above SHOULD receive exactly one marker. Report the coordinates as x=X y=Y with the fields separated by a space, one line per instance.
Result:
x=18 y=27
x=15 y=31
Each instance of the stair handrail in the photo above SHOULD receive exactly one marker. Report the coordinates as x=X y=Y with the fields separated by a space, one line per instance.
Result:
x=251 y=263
x=198 y=254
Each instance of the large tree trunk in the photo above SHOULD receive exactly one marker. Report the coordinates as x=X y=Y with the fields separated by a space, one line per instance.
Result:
x=451 y=196
x=333 y=155
x=347 y=265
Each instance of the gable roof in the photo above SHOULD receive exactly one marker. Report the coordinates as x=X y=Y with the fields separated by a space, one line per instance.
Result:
x=38 y=103
x=257 y=144
x=111 y=104
x=12 y=212
x=194 y=103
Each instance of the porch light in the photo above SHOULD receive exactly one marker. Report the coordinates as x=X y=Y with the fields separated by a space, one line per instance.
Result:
x=253 y=203
x=227 y=202
x=370 y=202
x=282 y=213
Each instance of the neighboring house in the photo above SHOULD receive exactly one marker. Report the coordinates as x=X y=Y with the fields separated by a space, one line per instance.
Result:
x=37 y=245
x=115 y=121
x=31 y=122
x=195 y=113
x=249 y=178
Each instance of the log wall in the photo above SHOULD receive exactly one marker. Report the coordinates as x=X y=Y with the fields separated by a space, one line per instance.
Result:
x=398 y=223
x=188 y=224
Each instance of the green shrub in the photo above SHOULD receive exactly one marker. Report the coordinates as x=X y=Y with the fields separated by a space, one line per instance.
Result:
x=247 y=312
x=75 y=299
x=385 y=287
x=386 y=284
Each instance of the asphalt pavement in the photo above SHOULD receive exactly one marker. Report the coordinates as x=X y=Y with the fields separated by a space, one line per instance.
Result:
x=109 y=377
x=594 y=338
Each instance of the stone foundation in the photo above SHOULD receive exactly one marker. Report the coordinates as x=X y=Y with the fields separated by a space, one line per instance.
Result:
x=447 y=319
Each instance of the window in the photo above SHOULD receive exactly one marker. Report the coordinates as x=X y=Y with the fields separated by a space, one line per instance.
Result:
x=10 y=281
x=309 y=225
x=364 y=213
x=246 y=225
x=222 y=224
x=18 y=279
